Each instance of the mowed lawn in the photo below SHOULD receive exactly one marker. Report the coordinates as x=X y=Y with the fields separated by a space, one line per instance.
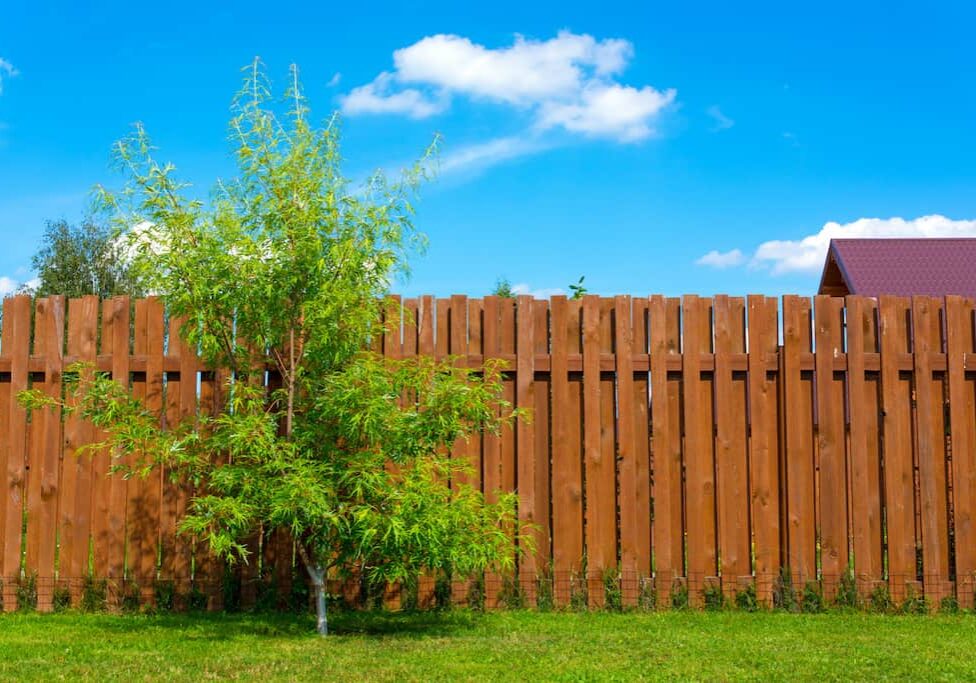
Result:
x=502 y=646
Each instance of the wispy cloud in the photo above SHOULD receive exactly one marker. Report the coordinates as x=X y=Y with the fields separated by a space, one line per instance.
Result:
x=539 y=293
x=334 y=81
x=568 y=82
x=6 y=70
x=485 y=154
x=722 y=122
x=722 y=259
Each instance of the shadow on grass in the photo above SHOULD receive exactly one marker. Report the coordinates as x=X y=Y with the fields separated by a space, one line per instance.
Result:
x=224 y=626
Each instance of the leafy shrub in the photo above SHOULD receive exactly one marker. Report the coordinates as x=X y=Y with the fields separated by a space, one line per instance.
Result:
x=475 y=598
x=713 y=596
x=679 y=595
x=813 y=600
x=914 y=603
x=130 y=597
x=579 y=597
x=410 y=593
x=27 y=593
x=746 y=599
x=880 y=599
x=612 y=592
x=442 y=590
x=647 y=594
x=196 y=599
x=544 y=593
x=784 y=593
x=949 y=605
x=511 y=595
x=94 y=595
x=61 y=600
x=847 y=596
x=164 y=594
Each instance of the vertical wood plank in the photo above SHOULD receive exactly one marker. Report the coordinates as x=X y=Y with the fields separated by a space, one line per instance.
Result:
x=630 y=541
x=44 y=454
x=899 y=480
x=16 y=348
x=642 y=443
x=492 y=454
x=541 y=427
x=731 y=466
x=600 y=499
x=666 y=454
x=699 y=458
x=764 y=472
x=798 y=408
x=962 y=421
x=828 y=312
x=931 y=452
x=181 y=404
x=865 y=452
x=567 y=477
x=76 y=473
x=525 y=443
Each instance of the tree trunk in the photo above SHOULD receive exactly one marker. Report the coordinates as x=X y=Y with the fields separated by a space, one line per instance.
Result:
x=317 y=574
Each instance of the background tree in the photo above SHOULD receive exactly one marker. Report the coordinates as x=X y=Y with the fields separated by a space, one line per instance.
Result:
x=351 y=454
x=503 y=288
x=83 y=259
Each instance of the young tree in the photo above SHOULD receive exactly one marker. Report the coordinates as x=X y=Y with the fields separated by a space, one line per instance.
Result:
x=503 y=288
x=286 y=268
x=82 y=259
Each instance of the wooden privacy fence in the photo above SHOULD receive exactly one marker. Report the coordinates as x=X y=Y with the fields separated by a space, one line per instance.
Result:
x=694 y=444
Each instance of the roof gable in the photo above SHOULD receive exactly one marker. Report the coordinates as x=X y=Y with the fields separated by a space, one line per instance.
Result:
x=903 y=267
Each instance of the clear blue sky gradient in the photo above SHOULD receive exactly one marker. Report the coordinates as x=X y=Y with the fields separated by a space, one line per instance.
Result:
x=837 y=112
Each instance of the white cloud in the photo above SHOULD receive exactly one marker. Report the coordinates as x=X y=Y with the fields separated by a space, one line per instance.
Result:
x=540 y=293
x=719 y=259
x=806 y=255
x=376 y=98
x=722 y=122
x=484 y=154
x=8 y=69
x=566 y=81
x=7 y=285
x=334 y=81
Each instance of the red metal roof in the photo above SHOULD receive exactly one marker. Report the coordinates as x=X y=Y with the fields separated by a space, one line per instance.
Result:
x=903 y=267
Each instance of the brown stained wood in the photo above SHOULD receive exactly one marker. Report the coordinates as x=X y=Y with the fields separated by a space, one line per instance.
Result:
x=799 y=457
x=899 y=483
x=865 y=454
x=16 y=349
x=642 y=444
x=930 y=451
x=828 y=318
x=75 y=506
x=627 y=452
x=668 y=536
x=525 y=444
x=44 y=452
x=442 y=345
x=731 y=467
x=599 y=495
x=567 y=487
x=492 y=450
x=962 y=420
x=542 y=436
x=764 y=471
x=699 y=455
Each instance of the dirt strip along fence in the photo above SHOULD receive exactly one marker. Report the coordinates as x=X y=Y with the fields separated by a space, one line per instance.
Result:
x=675 y=446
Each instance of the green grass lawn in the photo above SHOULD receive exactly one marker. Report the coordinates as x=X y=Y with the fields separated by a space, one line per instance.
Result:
x=498 y=647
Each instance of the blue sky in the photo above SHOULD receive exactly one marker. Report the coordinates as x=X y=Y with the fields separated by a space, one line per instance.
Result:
x=673 y=148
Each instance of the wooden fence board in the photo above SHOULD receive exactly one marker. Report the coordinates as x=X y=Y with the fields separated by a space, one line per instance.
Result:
x=525 y=444
x=797 y=405
x=962 y=420
x=898 y=473
x=76 y=467
x=642 y=453
x=668 y=542
x=627 y=452
x=600 y=500
x=828 y=314
x=864 y=406
x=931 y=447
x=16 y=348
x=542 y=428
x=764 y=471
x=44 y=451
